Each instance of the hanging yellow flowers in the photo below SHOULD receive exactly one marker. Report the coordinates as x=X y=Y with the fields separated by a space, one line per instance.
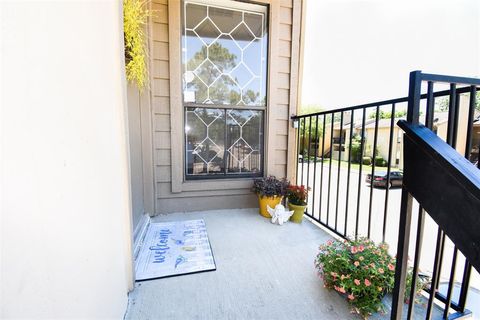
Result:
x=135 y=19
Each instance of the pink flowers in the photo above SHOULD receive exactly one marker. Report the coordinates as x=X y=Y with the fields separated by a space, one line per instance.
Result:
x=358 y=269
x=340 y=289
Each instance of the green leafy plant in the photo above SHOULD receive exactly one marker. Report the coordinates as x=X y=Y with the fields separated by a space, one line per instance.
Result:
x=367 y=161
x=297 y=195
x=359 y=269
x=356 y=151
x=380 y=162
x=270 y=186
x=135 y=18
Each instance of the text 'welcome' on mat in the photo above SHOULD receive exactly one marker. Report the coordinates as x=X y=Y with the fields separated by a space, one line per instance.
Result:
x=174 y=248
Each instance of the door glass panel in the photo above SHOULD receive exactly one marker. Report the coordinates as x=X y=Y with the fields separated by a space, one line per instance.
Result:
x=224 y=54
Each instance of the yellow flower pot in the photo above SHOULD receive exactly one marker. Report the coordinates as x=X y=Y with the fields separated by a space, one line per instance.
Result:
x=297 y=216
x=270 y=201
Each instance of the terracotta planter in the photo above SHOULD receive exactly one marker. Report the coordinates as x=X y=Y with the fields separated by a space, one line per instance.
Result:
x=297 y=216
x=270 y=201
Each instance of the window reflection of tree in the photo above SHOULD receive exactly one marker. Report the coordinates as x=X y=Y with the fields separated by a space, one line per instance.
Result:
x=225 y=90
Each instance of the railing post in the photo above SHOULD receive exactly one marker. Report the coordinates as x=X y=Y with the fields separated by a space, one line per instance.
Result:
x=413 y=115
x=402 y=254
x=414 y=91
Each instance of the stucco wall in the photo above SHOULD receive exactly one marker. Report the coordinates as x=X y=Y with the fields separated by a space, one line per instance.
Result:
x=65 y=203
x=383 y=138
x=172 y=193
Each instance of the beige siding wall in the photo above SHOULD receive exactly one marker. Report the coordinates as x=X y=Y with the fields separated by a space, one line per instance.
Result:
x=171 y=192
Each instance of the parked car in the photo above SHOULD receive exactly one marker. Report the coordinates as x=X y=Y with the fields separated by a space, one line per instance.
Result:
x=380 y=179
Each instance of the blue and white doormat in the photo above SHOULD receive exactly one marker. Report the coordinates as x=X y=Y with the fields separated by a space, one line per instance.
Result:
x=174 y=248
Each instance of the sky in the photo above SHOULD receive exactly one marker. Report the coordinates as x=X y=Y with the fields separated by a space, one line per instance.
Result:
x=361 y=51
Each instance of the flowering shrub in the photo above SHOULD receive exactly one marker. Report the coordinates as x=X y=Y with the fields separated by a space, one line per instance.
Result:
x=359 y=269
x=297 y=195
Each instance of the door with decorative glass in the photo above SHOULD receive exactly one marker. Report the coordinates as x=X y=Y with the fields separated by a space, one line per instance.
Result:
x=224 y=65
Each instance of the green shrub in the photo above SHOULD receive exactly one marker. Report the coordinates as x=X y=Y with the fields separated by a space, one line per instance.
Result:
x=380 y=162
x=367 y=161
x=356 y=149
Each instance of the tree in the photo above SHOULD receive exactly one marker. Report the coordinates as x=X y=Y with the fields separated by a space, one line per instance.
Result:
x=309 y=129
x=442 y=104
x=211 y=80
x=388 y=114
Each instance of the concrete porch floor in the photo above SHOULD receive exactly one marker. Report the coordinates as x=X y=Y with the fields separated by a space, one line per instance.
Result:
x=264 y=271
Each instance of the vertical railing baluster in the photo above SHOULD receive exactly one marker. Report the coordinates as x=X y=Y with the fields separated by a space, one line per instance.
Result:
x=416 y=261
x=435 y=275
x=298 y=151
x=332 y=117
x=471 y=115
x=389 y=167
x=321 y=171
x=450 y=284
x=462 y=300
x=362 y=144
x=455 y=120
x=402 y=254
x=375 y=137
x=315 y=167
x=440 y=262
x=339 y=168
x=303 y=144
x=430 y=106
x=308 y=149
x=348 y=170
x=451 y=115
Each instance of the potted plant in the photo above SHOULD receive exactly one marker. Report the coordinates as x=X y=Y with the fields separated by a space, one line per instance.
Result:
x=270 y=191
x=361 y=271
x=297 y=201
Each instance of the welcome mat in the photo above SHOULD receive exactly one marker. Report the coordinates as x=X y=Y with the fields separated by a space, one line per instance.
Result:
x=174 y=248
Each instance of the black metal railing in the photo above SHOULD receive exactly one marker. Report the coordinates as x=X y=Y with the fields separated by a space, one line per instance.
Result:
x=446 y=186
x=347 y=202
